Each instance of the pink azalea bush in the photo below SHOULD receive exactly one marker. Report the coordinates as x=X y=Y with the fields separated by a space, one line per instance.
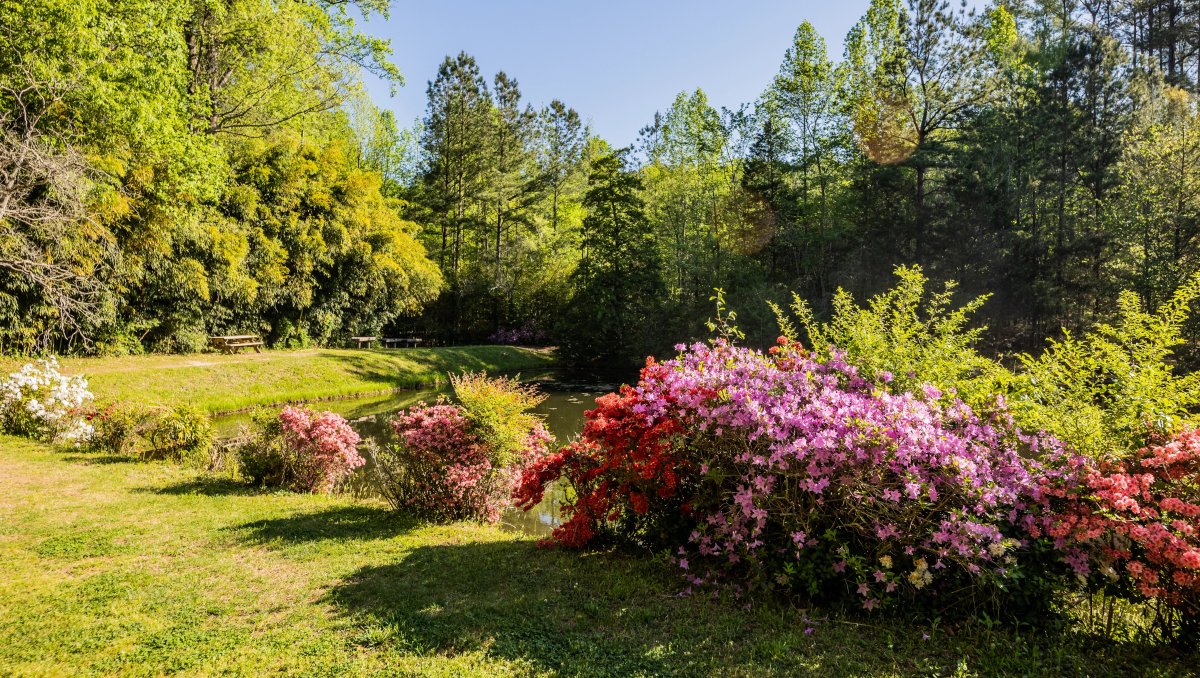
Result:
x=454 y=462
x=781 y=470
x=322 y=449
x=301 y=449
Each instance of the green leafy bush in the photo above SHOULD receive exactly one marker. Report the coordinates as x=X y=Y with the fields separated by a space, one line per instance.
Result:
x=179 y=433
x=907 y=335
x=261 y=454
x=498 y=409
x=117 y=429
x=1115 y=388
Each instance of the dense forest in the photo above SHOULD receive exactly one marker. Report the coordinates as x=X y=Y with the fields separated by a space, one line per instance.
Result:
x=171 y=169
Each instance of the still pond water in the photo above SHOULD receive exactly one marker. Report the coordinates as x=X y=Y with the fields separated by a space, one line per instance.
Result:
x=566 y=401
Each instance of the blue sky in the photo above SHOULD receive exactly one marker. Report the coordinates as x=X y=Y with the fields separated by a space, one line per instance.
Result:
x=614 y=61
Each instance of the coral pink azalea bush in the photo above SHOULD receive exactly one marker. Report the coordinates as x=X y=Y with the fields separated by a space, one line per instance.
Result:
x=454 y=462
x=1135 y=524
x=321 y=448
x=778 y=470
x=301 y=449
x=443 y=468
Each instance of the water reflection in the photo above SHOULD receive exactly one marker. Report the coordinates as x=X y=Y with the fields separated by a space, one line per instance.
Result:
x=562 y=411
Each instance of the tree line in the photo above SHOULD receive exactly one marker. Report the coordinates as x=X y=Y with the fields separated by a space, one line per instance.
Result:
x=236 y=177
x=1043 y=151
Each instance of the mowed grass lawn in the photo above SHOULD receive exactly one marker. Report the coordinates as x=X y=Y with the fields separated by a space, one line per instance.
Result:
x=113 y=567
x=220 y=383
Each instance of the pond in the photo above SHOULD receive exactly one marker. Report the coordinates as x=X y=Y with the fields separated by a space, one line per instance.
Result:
x=566 y=401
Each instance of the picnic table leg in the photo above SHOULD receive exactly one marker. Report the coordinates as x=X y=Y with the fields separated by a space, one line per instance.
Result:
x=256 y=349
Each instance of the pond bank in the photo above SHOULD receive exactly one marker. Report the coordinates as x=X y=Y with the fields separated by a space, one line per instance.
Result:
x=225 y=383
x=370 y=416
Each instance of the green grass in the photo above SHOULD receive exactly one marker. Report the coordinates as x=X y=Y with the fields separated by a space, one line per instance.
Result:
x=113 y=567
x=221 y=383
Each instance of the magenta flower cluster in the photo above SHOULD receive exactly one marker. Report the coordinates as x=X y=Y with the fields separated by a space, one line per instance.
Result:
x=321 y=447
x=810 y=476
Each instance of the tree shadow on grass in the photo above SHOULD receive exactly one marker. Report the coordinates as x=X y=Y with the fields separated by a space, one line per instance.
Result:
x=501 y=596
x=336 y=524
x=610 y=614
x=434 y=365
x=208 y=487
x=101 y=459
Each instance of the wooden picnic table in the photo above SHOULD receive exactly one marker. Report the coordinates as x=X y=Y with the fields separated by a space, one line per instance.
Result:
x=398 y=342
x=360 y=341
x=232 y=343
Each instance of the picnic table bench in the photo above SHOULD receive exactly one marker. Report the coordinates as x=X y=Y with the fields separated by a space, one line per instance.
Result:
x=235 y=342
x=361 y=341
x=399 y=342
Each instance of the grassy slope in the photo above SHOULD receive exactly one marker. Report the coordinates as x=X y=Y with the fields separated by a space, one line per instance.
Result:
x=228 y=382
x=111 y=567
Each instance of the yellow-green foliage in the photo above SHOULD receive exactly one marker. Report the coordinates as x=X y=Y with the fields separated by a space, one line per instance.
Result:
x=1105 y=393
x=179 y=433
x=917 y=336
x=499 y=411
x=1110 y=389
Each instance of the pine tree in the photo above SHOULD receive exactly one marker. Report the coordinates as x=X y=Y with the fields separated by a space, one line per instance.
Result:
x=618 y=285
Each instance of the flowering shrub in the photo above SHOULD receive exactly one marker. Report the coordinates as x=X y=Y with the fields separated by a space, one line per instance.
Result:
x=304 y=450
x=788 y=471
x=321 y=448
x=1140 y=518
x=461 y=461
x=40 y=402
x=116 y=428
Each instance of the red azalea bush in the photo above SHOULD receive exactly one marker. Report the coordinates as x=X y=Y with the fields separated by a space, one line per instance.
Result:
x=1137 y=521
x=783 y=470
x=455 y=462
x=621 y=462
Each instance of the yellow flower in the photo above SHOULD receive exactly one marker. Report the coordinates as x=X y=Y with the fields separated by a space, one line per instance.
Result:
x=916 y=579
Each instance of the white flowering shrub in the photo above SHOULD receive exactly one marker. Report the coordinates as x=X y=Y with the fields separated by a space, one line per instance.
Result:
x=40 y=402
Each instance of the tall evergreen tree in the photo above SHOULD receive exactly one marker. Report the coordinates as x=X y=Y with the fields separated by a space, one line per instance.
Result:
x=613 y=315
x=563 y=139
x=455 y=140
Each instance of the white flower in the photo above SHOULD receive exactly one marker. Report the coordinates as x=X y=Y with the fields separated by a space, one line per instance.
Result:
x=39 y=401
